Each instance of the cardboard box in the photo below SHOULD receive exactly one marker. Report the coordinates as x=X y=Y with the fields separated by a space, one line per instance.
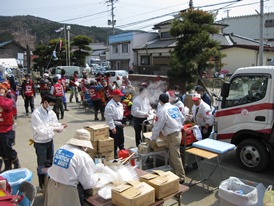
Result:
x=98 y=132
x=106 y=145
x=95 y=146
x=107 y=155
x=164 y=183
x=133 y=194
x=158 y=145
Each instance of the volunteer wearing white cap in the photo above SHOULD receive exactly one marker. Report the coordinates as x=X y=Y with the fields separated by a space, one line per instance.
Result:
x=202 y=115
x=114 y=112
x=71 y=166
x=140 y=110
x=169 y=121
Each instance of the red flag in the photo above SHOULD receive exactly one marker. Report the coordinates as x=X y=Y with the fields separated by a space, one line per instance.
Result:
x=60 y=44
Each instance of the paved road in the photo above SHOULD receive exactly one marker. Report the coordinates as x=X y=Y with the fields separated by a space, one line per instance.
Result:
x=76 y=118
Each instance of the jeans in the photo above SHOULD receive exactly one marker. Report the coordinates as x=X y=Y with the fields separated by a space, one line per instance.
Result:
x=44 y=152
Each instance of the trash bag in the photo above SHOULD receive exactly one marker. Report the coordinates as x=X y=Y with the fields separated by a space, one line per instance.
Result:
x=234 y=191
x=269 y=196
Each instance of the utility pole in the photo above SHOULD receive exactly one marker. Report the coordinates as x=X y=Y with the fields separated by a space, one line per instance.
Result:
x=112 y=22
x=190 y=4
x=261 y=49
x=227 y=13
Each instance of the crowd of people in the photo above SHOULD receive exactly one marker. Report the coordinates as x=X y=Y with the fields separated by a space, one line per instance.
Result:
x=113 y=102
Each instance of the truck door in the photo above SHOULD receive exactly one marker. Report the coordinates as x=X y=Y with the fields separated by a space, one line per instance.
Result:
x=247 y=106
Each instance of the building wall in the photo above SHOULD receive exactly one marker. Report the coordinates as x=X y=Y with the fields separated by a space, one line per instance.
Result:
x=240 y=57
x=10 y=51
x=249 y=26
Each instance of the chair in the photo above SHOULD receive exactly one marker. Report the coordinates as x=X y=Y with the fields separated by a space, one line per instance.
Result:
x=28 y=190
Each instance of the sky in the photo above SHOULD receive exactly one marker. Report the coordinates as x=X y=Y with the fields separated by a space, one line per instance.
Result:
x=129 y=14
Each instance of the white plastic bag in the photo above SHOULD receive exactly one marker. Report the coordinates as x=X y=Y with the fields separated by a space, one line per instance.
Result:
x=234 y=191
x=269 y=196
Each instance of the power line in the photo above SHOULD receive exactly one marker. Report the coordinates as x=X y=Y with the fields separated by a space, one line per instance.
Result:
x=81 y=17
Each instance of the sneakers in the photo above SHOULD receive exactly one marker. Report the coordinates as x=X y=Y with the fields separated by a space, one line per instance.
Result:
x=66 y=109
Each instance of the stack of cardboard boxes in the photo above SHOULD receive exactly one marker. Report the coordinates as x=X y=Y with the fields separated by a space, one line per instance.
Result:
x=103 y=144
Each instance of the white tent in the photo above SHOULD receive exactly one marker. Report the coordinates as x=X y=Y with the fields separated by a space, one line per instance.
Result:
x=9 y=63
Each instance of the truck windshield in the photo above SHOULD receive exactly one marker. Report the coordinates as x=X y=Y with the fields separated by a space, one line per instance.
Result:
x=246 y=89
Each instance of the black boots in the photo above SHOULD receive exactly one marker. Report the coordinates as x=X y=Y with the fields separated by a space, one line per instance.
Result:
x=65 y=105
x=62 y=114
x=7 y=165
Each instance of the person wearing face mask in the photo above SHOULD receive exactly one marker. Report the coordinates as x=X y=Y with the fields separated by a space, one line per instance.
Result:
x=44 y=124
x=28 y=94
x=177 y=92
x=72 y=168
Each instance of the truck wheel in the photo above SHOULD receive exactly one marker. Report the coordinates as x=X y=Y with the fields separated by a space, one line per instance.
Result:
x=252 y=155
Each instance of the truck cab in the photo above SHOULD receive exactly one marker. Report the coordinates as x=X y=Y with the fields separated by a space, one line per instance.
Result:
x=246 y=114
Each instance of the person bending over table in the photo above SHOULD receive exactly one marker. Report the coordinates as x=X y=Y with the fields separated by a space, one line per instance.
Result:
x=71 y=166
x=169 y=121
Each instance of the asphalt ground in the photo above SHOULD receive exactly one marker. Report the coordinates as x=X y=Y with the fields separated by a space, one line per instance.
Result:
x=77 y=117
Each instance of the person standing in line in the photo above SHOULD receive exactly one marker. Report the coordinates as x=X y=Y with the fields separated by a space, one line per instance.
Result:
x=44 y=124
x=169 y=121
x=175 y=100
x=114 y=116
x=71 y=166
x=28 y=94
x=8 y=154
x=140 y=110
x=95 y=97
x=73 y=83
x=204 y=96
x=63 y=82
x=45 y=83
x=57 y=91
x=202 y=115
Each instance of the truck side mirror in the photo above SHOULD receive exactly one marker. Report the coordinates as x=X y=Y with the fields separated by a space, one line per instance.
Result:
x=225 y=89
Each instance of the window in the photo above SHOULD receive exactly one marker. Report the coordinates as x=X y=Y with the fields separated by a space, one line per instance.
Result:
x=269 y=23
x=115 y=49
x=244 y=90
x=145 y=60
x=124 y=48
x=165 y=35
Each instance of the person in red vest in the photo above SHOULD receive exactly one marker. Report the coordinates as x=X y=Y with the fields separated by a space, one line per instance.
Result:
x=28 y=94
x=95 y=97
x=11 y=94
x=8 y=154
x=108 y=91
x=45 y=84
x=63 y=82
x=73 y=83
x=57 y=91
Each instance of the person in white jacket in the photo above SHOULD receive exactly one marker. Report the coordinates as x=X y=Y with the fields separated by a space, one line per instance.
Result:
x=176 y=101
x=114 y=112
x=71 y=167
x=169 y=121
x=140 y=110
x=202 y=115
x=44 y=124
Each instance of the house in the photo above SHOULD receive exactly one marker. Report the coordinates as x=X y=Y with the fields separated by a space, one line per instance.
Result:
x=153 y=57
x=249 y=26
x=97 y=54
x=12 y=49
x=121 y=54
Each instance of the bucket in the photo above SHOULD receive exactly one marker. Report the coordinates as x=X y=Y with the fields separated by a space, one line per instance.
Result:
x=15 y=177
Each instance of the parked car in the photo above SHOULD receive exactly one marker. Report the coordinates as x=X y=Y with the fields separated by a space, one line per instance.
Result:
x=116 y=76
x=87 y=69
x=94 y=67
x=99 y=70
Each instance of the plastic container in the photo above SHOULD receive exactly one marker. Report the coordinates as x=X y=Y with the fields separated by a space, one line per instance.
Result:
x=124 y=154
x=15 y=177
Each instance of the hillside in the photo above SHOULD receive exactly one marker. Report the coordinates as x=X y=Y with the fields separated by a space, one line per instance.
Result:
x=36 y=30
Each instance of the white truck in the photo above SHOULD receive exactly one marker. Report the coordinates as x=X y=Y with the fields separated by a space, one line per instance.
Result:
x=246 y=116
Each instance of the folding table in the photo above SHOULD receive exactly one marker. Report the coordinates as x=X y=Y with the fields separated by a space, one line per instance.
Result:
x=208 y=149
